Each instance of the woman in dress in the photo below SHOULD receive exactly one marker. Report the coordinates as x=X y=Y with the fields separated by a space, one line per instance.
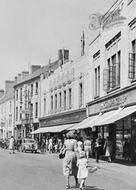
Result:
x=80 y=144
x=87 y=147
x=108 y=147
x=70 y=159
x=11 y=145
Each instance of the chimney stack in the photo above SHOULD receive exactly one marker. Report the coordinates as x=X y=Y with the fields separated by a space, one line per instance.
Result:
x=33 y=68
x=24 y=74
x=63 y=54
x=1 y=93
x=9 y=84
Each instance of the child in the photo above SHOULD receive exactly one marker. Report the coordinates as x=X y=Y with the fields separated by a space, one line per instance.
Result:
x=82 y=169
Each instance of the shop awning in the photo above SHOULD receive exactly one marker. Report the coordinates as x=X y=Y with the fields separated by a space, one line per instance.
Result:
x=86 y=123
x=37 y=131
x=53 y=129
x=109 y=118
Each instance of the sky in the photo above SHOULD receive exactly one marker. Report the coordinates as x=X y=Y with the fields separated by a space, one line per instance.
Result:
x=32 y=31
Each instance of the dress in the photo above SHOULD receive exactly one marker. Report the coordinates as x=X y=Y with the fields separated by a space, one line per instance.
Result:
x=70 y=159
x=11 y=144
x=87 y=146
x=50 y=144
x=82 y=168
x=108 y=146
x=79 y=146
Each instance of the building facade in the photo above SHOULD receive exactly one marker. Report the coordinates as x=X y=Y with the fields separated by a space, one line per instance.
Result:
x=7 y=111
x=113 y=62
x=27 y=101
x=64 y=94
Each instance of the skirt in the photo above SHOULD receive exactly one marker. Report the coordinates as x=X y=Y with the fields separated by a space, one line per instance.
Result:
x=70 y=164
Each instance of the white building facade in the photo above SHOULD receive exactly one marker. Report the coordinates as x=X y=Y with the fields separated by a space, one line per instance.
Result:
x=7 y=111
x=112 y=58
x=64 y=94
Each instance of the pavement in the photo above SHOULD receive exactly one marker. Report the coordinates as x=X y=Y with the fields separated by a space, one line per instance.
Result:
x=26 y=171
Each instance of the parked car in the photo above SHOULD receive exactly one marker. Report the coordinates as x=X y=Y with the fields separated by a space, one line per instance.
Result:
x=29 y=145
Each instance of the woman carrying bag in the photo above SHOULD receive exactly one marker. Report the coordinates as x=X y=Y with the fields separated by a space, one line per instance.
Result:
x=70 y=159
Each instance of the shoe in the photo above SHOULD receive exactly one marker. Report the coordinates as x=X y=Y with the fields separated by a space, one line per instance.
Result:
x=81 y=188
x=77 y=184
x=68 y=187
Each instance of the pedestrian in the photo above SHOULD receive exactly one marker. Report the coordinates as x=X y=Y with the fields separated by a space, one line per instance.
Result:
x=11 y=145
x=47 y=144
x=82 y=169
x=97 y=150
x=126 y=149
x=50 y=146
x=70 y=159
x=87 y=147
x=80 y=144
x=108 y=148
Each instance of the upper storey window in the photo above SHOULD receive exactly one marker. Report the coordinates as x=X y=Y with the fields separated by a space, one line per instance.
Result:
x=112 y=74
x=132 y=61
x=36 y=88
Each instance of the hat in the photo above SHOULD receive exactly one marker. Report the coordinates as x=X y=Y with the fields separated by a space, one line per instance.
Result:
x=82 y=154
x=71 y=134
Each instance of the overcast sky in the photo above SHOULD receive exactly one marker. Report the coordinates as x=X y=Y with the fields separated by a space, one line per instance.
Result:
x=31 y=31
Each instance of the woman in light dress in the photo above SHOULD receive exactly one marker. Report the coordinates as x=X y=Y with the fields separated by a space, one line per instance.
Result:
x=108 y=147
x=50 y=146
x=80 y=144
x=87 y=147
x=70 y=159
x=11 y=145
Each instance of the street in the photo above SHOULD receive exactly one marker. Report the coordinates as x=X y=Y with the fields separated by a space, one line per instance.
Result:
x=26 y=171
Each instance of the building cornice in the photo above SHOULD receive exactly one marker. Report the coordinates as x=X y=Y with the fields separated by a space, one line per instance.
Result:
x=113 y=94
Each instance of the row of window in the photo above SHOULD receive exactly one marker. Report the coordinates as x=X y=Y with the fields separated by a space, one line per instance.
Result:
x=31 y=93
x=30 y=114
x=111 y=75
x=63 y=100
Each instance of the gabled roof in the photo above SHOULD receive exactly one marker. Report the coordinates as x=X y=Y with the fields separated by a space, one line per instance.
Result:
x=54 y=65
x=8 y=95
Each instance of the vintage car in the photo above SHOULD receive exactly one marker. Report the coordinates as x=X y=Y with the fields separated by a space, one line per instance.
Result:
x=29 y=145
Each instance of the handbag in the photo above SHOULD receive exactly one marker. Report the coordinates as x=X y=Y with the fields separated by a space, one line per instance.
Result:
x=62 y=154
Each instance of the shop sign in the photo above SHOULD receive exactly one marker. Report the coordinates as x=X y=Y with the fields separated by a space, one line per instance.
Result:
x=113 y=17
x=118 y=101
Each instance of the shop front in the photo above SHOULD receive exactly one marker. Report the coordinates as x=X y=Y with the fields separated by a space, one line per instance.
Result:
x=116 y=118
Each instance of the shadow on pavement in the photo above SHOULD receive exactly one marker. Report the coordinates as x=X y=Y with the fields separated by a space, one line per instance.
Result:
x=93 y=188
x=88 y=188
